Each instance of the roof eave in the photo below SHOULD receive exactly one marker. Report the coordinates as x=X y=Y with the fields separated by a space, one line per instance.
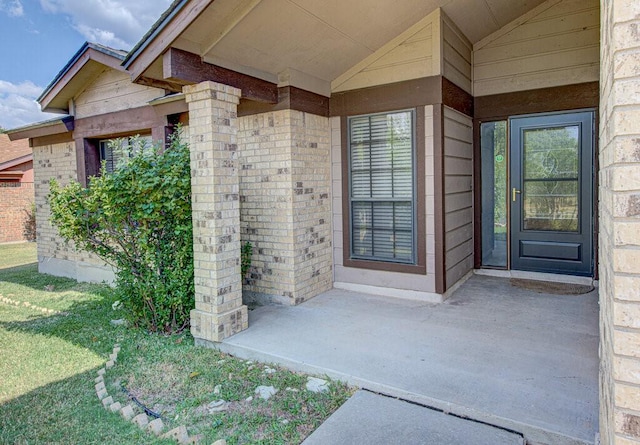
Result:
x=157 y=27
x=63 y=71
x=45 y=128
x=16 y=161
x=87 y=52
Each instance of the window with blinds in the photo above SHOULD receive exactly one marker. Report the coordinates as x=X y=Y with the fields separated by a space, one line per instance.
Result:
x=381 y=187
x=112 y=151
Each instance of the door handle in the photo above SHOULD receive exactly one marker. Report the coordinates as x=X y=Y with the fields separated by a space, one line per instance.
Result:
x=514 y=191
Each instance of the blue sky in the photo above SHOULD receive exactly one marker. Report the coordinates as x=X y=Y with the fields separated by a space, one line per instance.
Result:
x=38 y=37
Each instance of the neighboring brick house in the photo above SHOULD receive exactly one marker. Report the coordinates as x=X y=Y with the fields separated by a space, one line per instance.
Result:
x=393 y=150
x=16 y=190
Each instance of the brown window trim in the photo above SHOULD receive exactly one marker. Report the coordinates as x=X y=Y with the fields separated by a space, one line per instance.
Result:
x=420 y=267
x=88 y=153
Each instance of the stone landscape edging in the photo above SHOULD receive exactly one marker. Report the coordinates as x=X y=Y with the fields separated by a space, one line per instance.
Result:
x=156 y=426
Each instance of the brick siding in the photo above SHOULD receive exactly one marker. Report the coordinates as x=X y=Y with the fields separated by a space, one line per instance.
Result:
x=16 y=200
x=619 y=221
x=285 y=208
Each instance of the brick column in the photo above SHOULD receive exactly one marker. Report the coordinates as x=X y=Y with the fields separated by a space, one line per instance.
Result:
x=213 y=127
x=619 y=222
x=285 y=183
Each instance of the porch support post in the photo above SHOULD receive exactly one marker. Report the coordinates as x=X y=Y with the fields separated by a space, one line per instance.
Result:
x=619 y=222
x=213 y=127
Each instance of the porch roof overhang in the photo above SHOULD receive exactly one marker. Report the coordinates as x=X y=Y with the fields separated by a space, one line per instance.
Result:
x=90 y=60
x=299 y=43
x=45 y=128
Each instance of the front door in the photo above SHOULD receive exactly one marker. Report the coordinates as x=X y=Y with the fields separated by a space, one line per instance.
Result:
x=551 y=193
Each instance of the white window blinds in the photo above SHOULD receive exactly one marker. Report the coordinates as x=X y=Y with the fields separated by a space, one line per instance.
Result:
x=381 y=158
x=112 y=151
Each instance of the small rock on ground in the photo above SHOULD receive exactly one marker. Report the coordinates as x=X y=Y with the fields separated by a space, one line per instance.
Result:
x=265 y=392
x=317 y=385
x=216 y=406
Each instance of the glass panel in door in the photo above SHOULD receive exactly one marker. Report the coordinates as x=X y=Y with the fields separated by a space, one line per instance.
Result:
x=551 y=178
x=493 y=146
x=551 y=193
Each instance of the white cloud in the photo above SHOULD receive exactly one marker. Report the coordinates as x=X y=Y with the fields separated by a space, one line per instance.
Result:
x=116 y=23
x=18 y=106
x=26 y=88
x=13 y=8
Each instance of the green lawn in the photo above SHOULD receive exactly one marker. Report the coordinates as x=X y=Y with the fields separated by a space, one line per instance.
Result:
x=17 y=254
x=48 y=364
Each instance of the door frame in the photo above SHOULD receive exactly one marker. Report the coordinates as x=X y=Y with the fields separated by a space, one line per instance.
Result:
x=485 y=113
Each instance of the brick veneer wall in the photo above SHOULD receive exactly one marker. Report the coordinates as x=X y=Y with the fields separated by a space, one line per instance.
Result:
x=311 y=178
x=52 y=161
x=16 y=200
x=619 y=221
x=285 y=204
x=55 y=255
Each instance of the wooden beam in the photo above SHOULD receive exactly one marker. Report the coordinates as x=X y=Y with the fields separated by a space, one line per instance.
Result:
x=289 y=98
x=59 y=138
x=119 y=123
x=162 y=84
x=182 y=67
x=455 y=97
x=389 y=97
x=543 y=100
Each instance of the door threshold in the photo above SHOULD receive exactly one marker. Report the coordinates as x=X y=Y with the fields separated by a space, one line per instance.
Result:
x=538 y=276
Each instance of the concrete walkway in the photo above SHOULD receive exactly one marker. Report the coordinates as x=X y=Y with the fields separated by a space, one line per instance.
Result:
x=495 y=353
x=372 y=419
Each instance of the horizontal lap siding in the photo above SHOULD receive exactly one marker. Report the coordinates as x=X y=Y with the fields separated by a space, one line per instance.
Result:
x=456 y=55
x=416 y=55
x=458 y=198
x=558 y=46
x=113 y=91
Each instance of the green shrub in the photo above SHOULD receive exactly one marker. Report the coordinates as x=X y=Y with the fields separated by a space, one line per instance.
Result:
x=246 y=252
x=138 y=219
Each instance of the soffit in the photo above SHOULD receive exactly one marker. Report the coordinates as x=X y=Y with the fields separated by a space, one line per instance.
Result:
x=324 y=38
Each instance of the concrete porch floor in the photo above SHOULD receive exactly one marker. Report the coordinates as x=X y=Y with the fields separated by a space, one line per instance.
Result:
x=492 y=352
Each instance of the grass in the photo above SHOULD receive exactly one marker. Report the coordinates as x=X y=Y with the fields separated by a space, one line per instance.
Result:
x=17 y=254
x=49 y=362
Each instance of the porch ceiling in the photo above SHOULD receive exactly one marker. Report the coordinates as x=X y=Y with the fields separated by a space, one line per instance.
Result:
x=321 y=38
